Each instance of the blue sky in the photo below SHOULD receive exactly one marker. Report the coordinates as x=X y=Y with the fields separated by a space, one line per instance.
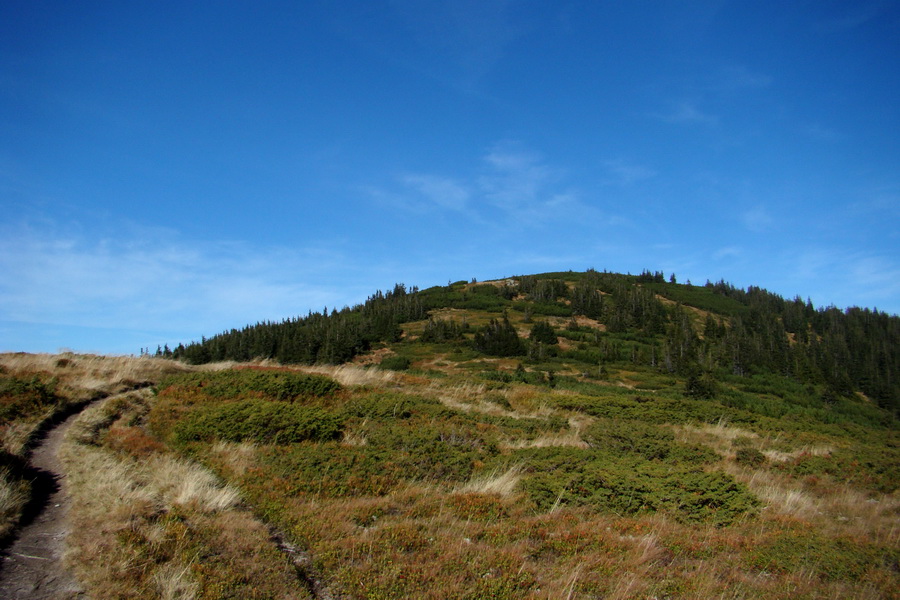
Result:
x=174 y=169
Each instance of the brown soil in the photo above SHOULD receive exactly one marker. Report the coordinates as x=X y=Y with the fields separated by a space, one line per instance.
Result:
x=32 y=567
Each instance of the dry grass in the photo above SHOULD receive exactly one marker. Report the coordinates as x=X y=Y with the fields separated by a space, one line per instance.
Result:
x=719 y=437
x=139 y=527
x=501 y=483
x=570 y=439
x=237 y=458
x=837 y=507
x=80 y=377
x=808 y=450
x=15 y=436
x=92 y=373
x=472 y=397
x=187 y=484
x=353 y=375
x=14 y=495
x=174 y=582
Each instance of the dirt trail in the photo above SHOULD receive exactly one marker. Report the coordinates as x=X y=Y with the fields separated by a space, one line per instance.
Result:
x=32 y=566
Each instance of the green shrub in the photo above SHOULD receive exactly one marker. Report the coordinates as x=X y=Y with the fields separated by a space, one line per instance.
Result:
x=25 y=396
x=750 y=457
x=259 y=421
x=380 y=407
x=396 y=363
x=269 y=383
x=809 y=552
x=871 y=465
x=542 y=332
x=630 y=485
x=413 y=449
x=651 y=442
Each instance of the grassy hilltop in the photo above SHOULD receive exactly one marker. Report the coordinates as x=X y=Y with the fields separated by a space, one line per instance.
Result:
x=566 y=435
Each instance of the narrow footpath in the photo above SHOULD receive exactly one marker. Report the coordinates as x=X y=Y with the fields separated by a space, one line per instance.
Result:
x=31 y=568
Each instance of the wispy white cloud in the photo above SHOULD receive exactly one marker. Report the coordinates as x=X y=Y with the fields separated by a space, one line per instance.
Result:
x=149 y=280
x=881 y=201
x=821 y=133
x=510 y=179
x=757 y=219
x=465 y=39
x=626 y=173
x=846 y=278
x=442 y=191
x=858 y=15
x=515 y=179
x=686 y=112
x=738 y=78
x=728 y=252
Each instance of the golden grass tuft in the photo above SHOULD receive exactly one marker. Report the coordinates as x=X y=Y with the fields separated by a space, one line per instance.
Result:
x=181 y=483
x=719 y=437
x=354 y=375
x=502 y=483
x=237 y=458
x=780 y=456
x=569 y=438
x=174 y=582
x=14 y=495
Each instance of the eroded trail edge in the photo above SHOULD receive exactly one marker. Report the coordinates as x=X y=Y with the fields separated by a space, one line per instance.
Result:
x=32 y=567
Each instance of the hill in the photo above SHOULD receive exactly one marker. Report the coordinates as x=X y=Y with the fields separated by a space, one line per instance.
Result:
x=606 y=322
x=564 y=435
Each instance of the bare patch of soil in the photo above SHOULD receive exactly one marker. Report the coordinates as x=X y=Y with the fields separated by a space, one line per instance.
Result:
x=32 y=567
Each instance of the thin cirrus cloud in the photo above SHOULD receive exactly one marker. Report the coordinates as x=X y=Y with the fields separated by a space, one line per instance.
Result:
x=445 y=192
x=466 y=39
x=509 y=178
x=738 y=78
x=516 y=179
x=625 y=173
x=862 y=14
x=151 y=285
x=757 y=219
x=728 y=252
x=687 y=113
x=872 y=278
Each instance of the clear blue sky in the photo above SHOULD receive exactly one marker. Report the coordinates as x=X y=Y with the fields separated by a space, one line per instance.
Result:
x=175 y=169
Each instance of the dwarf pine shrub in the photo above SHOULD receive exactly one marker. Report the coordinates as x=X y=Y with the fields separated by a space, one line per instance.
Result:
x=273 y=384
x=24 y=396
x=259 y=421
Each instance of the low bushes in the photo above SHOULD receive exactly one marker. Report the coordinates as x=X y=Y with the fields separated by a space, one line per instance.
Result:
x=396 y=363
x=627 y=486
x=651 y=442
x=24 y=396
x=269 y=383
x=840 y=558
x=259 y=421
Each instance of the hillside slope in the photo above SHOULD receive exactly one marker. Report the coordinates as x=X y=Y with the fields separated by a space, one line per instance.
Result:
x=606 y=320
